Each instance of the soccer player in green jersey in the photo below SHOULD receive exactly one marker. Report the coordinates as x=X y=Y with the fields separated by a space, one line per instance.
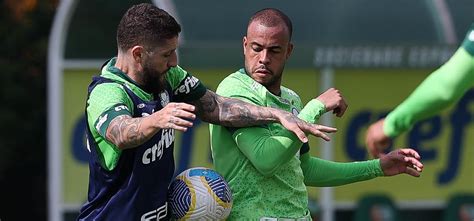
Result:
x=267 y=167
x=439 y=90
x=133 y=108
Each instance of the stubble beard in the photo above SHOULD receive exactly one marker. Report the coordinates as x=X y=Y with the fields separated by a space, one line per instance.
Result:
x=266 y=82
x=153 y=80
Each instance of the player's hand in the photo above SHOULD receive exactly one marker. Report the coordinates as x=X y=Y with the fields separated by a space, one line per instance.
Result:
x=300 y=127
x=177 y=116
x=375 y=140
x=333 y=101
x=401 y=161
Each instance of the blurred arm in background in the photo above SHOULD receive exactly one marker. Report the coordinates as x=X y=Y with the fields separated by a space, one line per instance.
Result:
x=439 y=90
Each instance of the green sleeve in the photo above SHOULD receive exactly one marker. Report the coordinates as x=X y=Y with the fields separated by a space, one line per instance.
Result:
x=323 y=173
x=185 y=86
x=266 y=151
x=106 y=101
x=312 y=111
x=442 y=88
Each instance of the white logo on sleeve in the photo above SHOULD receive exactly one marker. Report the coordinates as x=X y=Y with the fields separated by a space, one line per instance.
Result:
x=121 y=107
x=101 y=121
x=189 y=82
x=471 y=36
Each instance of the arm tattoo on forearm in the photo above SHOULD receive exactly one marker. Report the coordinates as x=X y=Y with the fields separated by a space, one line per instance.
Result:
x=231 y=112
x=206 y=105
x=239 y=114
x=124 y=131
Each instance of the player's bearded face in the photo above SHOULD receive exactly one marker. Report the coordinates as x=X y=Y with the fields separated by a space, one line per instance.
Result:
x=157 y=63
x=266 y=50
x=153 y=79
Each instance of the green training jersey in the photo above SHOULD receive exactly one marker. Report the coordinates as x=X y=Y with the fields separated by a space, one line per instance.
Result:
x=278 y=193
x=109 y=100
x=439 y=90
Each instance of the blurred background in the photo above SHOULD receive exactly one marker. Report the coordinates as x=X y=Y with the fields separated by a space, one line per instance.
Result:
x=375 y=52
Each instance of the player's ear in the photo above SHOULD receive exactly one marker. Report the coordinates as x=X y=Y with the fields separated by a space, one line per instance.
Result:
x=289 y=50
x=137 y=53
x=244 y=43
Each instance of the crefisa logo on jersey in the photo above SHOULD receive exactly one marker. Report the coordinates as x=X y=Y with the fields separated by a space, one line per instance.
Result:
x=164 y=98
x=188 y=83
x=155 y=152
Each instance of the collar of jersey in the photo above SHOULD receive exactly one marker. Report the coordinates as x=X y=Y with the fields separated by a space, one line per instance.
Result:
x=112 y=72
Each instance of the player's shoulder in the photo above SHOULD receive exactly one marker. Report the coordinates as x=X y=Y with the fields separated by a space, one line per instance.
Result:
x=235 y=81
x=106 y=86
x=176 y=70
x=175 y=75
x=236 y=77
x=108 y=89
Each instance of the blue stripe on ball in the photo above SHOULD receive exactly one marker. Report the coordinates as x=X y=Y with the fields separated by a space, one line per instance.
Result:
x=179 y=198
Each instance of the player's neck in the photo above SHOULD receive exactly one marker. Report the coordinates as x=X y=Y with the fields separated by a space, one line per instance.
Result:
x=274 y=86
x=274 y=89
x=127 y=66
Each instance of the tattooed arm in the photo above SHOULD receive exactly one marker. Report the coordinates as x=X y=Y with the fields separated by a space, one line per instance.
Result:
x=231 y=112
x=127 y=132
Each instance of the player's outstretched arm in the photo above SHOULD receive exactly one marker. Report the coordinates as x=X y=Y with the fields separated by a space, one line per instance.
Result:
x=232 y=112
x=324 y=173
x=127 y=132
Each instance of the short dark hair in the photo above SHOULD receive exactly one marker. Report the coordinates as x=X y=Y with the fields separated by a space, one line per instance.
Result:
x=147 y=25
x=271 y=17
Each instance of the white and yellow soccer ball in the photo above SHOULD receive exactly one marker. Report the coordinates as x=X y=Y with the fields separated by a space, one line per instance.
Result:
x=199 y=194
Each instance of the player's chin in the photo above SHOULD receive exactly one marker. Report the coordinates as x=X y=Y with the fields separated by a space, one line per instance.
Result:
x=262 y=79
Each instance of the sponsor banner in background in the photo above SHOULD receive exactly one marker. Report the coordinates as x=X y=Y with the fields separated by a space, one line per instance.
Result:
x=442 y=140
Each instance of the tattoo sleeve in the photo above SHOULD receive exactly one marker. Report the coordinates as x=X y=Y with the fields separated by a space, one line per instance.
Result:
x=232 y=112
x=125 y=132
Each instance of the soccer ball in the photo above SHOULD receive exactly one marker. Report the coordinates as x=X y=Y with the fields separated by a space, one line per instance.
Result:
x=199 y=194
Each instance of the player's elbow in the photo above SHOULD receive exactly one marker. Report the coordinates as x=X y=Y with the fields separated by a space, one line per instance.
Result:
x=121 y=145
x=266 y=173
x=266 y=168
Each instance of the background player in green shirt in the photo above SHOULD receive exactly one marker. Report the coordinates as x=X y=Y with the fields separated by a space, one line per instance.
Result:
x=439 y=90
x=267 y=167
